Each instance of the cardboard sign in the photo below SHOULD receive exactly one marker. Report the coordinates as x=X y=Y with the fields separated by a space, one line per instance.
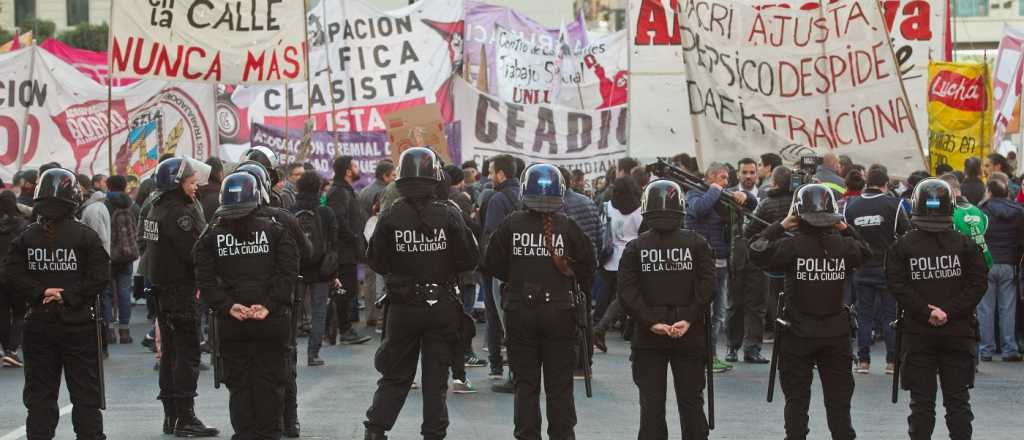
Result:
x=417 y=127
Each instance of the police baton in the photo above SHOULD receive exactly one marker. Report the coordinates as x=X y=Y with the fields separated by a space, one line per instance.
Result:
x=897 y=326
x=781 y=325
x=99 y=352
x=708 y=367
x=218 y=369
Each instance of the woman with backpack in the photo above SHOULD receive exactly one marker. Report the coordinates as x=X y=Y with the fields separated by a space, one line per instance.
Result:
x=124 y=250
x=320 y=273
x=623 y=212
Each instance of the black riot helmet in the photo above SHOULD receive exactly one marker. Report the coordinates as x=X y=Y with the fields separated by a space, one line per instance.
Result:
x=663 y=196
x=543 y=189
x=239 y=196
x=256 y=170
x=933 y=205
x=816 y=205
x=171 y=172
x=265 y=157
x=58 y=184
x=419 y=163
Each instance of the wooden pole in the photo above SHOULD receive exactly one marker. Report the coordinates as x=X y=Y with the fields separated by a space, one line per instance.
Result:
x=307 y=136
x=110 y=93
x=903 y=91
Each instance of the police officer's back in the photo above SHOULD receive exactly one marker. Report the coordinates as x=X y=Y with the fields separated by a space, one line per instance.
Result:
x=938 y=276
x=246 y=266
x=816 y=260
x=539 y=253
x=59 y=266
x=419 y=246
x=666 y=280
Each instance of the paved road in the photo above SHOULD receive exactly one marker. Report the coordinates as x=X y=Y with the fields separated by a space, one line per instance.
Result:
x=334 y=398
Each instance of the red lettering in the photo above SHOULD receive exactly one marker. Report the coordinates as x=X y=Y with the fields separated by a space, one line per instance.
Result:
x=291 y=60
x=121 y=55
x=185 y=71
x=253 y=65
x=13 y=140
x=215 y=69
x=32 y=129
x=652 y=19
x=274 y=72
x=917 y=21
x=163 y=62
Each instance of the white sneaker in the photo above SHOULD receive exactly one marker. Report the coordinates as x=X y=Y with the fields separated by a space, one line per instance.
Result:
x=460 y=387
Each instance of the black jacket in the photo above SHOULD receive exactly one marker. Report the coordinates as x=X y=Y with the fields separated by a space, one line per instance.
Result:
x=209 y=198
x=171 y=226
x=310 y=269
x=426 y=243
x=816 y=264
x=944 y=269
x=879 y=219
x=343 y=201
x=517 y=255
x=774 y=207
x=664 y=279
x=71 y=257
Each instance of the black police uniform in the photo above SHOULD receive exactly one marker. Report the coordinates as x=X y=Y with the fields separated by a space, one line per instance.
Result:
x=171 y=228
x=816 y=263
x=258 y=269
x=60 y=336
x=541 y=323
x=665 y=278
x=945 y=269
x=420 y=246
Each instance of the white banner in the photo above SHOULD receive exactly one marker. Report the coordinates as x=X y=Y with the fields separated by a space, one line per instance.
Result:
x=60 y=115
x=379 y=62
x=215 y=41
x=588 y=140
x=796 y=82
x=657 y=77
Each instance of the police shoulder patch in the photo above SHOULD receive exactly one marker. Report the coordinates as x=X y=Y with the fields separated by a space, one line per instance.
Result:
x=185 y=223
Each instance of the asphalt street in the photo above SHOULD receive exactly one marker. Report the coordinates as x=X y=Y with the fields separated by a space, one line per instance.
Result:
x=333 y=400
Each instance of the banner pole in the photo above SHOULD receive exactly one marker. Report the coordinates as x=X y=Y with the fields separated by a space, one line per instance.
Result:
x=25 y=137
x=330 y=78
x=110 y=93
x=307 y=135
x=903 y=90
x=988 y=95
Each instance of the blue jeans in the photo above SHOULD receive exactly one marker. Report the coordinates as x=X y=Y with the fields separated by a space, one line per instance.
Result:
x=1000 y=298
x=318 y=309
x=869 y=285
x=718 y=306
x=123 y=282
x=495 y=334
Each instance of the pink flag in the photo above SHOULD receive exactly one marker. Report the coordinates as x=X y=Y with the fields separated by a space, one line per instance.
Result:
x=1006 y=78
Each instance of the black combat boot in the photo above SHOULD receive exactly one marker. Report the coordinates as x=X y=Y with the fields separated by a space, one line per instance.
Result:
x=189 y=425
x=170 y=416
x=371 y=435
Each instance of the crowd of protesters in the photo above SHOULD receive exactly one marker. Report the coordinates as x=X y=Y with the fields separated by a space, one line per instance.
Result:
x=990 y=209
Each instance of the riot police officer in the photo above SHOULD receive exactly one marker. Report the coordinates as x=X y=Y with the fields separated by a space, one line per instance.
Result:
x=59 y=266
x=815 y=259
x=540 y=254
x=270 y=208
x=245 y=269
x=171 y=228
x=666 y=280
x=938 y=276
x=420 y=245
x=266 y=158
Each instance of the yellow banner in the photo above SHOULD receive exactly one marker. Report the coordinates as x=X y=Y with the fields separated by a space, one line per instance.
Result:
x=959 y=113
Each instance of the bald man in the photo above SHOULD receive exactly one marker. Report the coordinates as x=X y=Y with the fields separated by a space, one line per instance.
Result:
x=828 y=174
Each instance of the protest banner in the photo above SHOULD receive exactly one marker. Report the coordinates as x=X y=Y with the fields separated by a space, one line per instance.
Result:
x=526 y=73
x=366 y=148
x=366 y=64
x=589 y=140
x=657 y=82
x=1006 y=79
x=58 y=114
x=795 y=82
x=216 y=41
x=959 y=103
x=92 y=64
x=483 y=19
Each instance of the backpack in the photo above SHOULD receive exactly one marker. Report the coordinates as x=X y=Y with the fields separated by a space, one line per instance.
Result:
x=123 y=233
x=313 y=227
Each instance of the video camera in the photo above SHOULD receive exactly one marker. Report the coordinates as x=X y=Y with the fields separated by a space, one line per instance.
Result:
x=806 y=167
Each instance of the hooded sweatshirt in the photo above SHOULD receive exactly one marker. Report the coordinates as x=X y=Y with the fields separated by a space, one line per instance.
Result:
x=95 y=215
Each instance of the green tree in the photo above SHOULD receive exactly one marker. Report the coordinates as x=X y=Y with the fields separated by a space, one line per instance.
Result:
x=41 y=29
x=5 y=35
x=86 y=36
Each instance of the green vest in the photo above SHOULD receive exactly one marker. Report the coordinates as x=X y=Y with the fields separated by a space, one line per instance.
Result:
x=972 y=222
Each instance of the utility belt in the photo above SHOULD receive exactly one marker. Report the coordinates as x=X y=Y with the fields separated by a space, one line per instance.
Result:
x=427 y=294
x=532 y=296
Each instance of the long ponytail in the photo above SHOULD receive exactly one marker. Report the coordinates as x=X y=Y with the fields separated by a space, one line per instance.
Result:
x=561 y=261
